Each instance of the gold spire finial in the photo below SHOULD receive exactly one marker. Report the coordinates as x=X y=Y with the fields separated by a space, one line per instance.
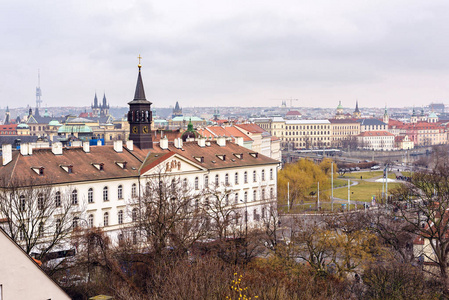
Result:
x=139 y=65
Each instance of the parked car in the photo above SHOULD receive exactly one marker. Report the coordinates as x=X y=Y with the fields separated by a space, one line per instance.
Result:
x=375 y=167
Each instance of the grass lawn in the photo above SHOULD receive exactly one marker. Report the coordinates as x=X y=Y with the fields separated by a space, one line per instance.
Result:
x=408 y=174
x=363 y=191
x=367 y=175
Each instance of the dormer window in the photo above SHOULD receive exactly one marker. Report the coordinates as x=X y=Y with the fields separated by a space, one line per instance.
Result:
x=121 y=164
x=99 y=166
x=199 y=158
x=67 y=168
x=238 y=155
x=39 y=170
x=221 y=156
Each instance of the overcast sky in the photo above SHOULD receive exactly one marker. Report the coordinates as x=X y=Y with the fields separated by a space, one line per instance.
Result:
x=226 y=53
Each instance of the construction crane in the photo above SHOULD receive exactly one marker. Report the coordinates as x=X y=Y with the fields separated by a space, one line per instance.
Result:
x=291 y=101
x=284 y=101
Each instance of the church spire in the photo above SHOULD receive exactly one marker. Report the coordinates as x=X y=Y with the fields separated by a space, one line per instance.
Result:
x=140 y=116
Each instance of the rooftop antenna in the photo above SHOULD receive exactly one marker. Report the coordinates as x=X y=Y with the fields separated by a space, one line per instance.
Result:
x=38 y=90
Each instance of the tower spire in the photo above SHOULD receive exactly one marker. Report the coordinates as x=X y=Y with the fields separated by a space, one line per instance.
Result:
x=140 y=116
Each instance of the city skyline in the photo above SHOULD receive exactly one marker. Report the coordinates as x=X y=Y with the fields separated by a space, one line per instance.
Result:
x=226 y=54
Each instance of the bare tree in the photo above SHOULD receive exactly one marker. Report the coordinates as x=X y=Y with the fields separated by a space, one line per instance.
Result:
x=37 y=217
x=168 y=215
x=423 y=204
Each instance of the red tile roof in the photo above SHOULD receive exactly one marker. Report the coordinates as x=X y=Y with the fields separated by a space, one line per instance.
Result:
x=210 y=154
x=253 y=128
x=20 y=169
x=376 y=133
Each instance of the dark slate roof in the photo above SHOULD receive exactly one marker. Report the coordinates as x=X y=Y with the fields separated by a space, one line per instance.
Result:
x=139 y=95
x=12 y=139
x=370 y=122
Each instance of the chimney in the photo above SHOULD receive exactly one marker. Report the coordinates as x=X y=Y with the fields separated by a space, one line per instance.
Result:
x=24 y=149
x=130 y=145
x=221 y=141
x=164 y=143
x=118 y=146
x=239 y=140
x=30 y=149
x=76 y=144
x=56 y=148
x=202 y=142
x=6 y=153
x=98 y=142
x=178 y=143
x=86 y=147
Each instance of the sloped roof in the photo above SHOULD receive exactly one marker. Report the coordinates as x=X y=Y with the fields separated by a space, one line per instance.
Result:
x=293 y=113
x=343 y=121
x=253 y=128
x=211 y=161
x=20 y=168
x=370 y=122
x=376 y=133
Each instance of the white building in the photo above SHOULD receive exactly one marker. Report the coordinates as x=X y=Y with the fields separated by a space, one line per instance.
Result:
x=103 y=182
x=21 y=277
x=376 y=140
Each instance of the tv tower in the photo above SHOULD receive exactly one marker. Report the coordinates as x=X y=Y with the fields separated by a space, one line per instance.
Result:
x=38 y=90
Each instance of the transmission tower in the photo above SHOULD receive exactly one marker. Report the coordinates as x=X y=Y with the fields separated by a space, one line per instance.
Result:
x=38 y=90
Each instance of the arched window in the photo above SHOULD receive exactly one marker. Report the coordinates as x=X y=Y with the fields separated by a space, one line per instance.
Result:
x=196 y=183
x=236 y=198
x=227 y=179
x=90 y=220
x=75 y=197
x=105 y=194
x=263 y=194
x=255 y=215
x=58 y=225
x=173 y=186
x=271 y=194
x=120 y=216
x=245 y=197
x=90 y=195
x=236 y=178
x=263 y=175
x=40 y=201
x=254 y=195
x=245 y=177
x=134 y=190
x=120 y=192
x=206 y=181
x=134 y=238
x=41 y=229
x=106 y=219
x=217 y=179
x=271 y=174
x=184 y=184
x=254 y=176
x=75 y=222
x=134 y=215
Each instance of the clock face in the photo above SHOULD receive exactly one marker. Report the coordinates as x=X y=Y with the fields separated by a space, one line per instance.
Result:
x=135 y=129
x=145 y=129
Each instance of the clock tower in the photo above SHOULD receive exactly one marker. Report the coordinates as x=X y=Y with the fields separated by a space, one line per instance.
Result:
x=140 y=117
